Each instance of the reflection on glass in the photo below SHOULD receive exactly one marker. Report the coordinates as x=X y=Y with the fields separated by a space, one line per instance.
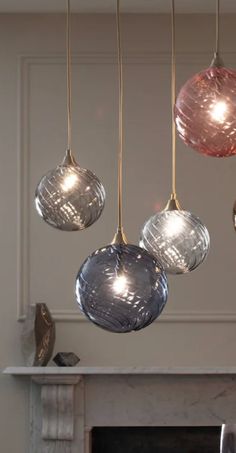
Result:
x=70 y=198
x=178 y=239
x=205 y=112
x=121 y=288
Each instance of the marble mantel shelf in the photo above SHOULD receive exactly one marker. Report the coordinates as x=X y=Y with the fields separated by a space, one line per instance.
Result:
x=66 y=403
x=79 y=371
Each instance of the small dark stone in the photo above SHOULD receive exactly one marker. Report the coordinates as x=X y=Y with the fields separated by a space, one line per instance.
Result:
x=66 y=359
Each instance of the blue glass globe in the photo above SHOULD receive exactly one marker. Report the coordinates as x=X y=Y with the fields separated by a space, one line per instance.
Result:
x=121 y=288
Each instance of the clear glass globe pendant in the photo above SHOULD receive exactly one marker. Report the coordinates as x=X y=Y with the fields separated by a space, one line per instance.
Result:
x=177 y=238
x=205 y=111
x=121 y=287
x=70 y=198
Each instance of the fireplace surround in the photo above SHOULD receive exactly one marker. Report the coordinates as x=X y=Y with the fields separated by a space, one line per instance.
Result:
x=156 y=439
x=67 y=403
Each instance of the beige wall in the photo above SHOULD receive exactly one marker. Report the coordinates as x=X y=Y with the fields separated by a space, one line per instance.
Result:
x=195 y=329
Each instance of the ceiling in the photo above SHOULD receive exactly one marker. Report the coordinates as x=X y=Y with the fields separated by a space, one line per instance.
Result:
x=108 y=6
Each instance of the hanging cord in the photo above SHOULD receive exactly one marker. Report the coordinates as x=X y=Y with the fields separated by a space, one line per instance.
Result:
x=120 y=144
x=119 y=237
x=69 y=158
x=173 y=98
x=173 y=204
x=68 y=70
x=217 y=61
x=217 y=44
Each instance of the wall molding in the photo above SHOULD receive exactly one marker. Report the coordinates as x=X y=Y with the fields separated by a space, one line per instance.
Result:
x=172 y=317
x=23 y=256
x=95 y=58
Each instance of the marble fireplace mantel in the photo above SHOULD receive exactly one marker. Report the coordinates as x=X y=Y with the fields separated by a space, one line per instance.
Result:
x=66 y=403
x=79 y=370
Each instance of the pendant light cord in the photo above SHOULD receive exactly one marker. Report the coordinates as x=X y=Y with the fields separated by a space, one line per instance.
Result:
x=173 y=97
x=217 y=48
x=120 y=145
x=68 y=70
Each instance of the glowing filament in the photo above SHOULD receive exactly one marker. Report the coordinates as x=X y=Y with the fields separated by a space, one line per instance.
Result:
x=219 y=111
x=174 y=225
x=69 y=182
x=120 y=284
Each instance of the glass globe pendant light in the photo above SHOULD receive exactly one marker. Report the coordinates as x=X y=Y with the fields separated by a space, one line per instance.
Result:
x=121 y=287
x=176 y=237
x=205 y=110
x=69 y=198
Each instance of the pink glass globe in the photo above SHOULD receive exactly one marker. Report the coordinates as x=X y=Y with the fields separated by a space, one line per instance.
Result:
x=205 y=112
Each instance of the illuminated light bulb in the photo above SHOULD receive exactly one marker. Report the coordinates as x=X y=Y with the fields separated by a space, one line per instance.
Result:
x=70 y=198
x=174 y=225
x=120 y=284
x=69 y=182
x=121 y=288
x=205 y=112
x=178 y=239
x=218 y=111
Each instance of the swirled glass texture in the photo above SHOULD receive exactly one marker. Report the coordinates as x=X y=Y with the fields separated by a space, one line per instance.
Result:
x=121 y=288
x=178 y=239
x=70 y=198
x=205 y=112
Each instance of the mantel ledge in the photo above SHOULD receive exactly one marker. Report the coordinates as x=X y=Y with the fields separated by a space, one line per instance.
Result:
x=88 y=370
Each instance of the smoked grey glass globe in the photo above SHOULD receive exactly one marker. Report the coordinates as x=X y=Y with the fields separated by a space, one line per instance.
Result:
x=177 y=238
x=70 y=198
x=121 y=288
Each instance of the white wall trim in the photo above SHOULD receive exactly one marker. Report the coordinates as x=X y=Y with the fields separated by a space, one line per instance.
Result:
x=180 y=317
x=23 y=256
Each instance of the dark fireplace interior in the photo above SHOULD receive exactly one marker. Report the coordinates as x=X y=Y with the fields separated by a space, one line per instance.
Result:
x=156 y=440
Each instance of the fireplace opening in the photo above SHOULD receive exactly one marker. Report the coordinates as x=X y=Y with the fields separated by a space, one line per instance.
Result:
x=156 y=439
